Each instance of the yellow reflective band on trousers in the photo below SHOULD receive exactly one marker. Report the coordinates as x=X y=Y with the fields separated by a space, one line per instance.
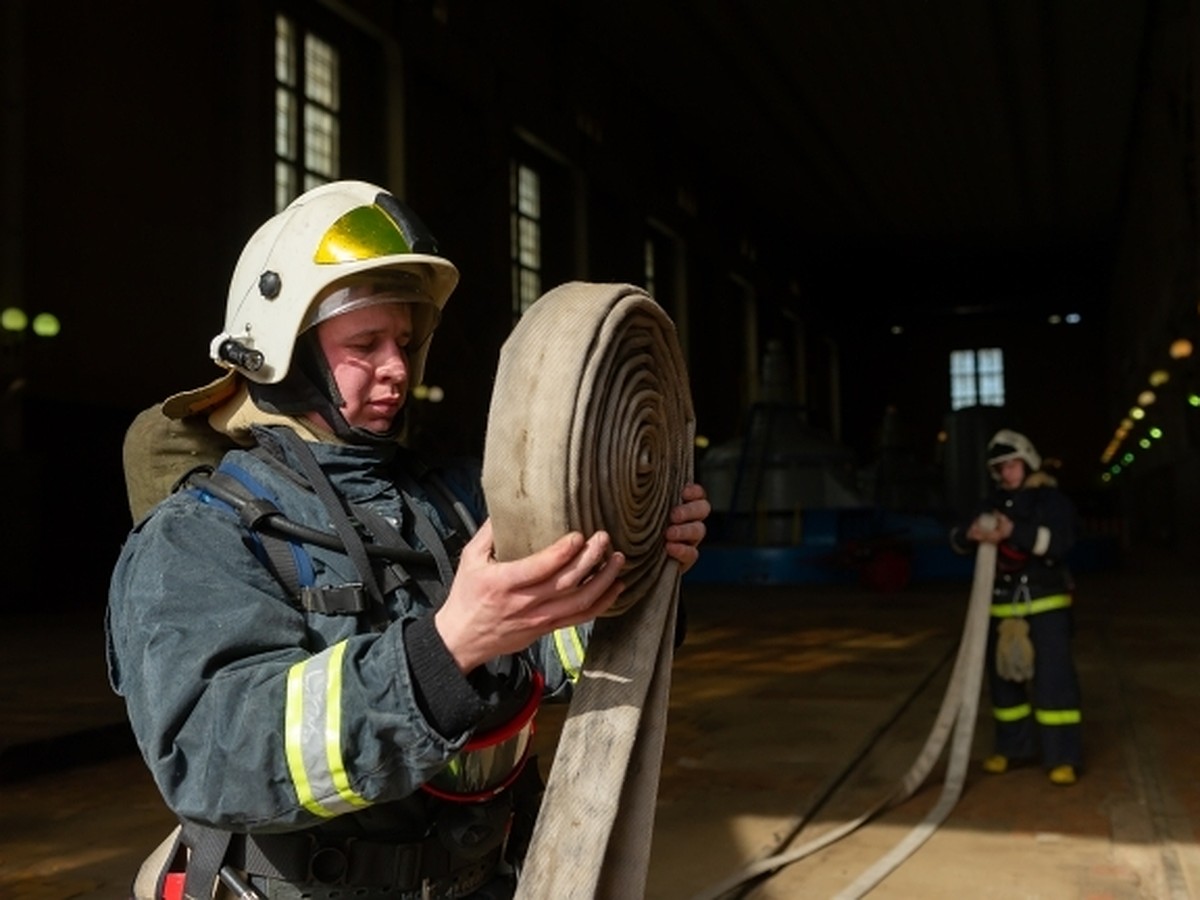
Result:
x=570 y=652
x=1058 y=717
x=1013 y=713
x=312 y=735
x=1031 y=607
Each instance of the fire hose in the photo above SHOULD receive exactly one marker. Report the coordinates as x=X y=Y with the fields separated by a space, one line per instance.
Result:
x=955 y=723
x=591 y=428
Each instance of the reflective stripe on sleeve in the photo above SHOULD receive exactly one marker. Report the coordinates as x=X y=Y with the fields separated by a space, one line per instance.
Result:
x=312 y=735
x=1012 y=713
x=1058 y=716
x=1042 y=543
x=1031 y=607
x=570 y=652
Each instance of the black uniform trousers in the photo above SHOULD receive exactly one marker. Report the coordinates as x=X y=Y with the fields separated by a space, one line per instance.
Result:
x=1040 y=718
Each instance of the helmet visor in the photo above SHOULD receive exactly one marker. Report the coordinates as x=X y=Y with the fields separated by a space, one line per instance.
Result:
x=366 y=232
x=372 y=290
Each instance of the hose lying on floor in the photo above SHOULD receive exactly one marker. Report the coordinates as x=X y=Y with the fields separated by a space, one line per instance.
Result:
x=960 y=704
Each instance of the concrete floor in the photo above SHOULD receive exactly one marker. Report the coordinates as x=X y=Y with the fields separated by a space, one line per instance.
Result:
x=792 y=710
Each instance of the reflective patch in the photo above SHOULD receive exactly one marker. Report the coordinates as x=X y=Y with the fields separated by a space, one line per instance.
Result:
x=1031 y=607
x=570 y=652
x=312 y=735
x=1058 y=717
x=1013 y=713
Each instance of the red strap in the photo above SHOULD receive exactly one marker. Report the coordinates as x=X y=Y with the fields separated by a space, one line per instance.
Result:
x=173 y=886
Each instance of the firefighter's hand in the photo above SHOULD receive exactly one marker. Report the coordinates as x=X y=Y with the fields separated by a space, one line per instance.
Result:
x=497 y=607
x=686 y=529
x=994 y=532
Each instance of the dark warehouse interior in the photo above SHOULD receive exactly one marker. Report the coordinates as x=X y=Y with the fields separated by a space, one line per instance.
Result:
x=883 y=229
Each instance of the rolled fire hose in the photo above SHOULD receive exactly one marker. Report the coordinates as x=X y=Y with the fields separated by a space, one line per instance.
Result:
x=957 y=715
x=591 y=428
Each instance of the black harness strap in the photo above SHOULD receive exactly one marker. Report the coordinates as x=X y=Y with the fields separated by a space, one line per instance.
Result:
x=342 y=523
x=208 y=847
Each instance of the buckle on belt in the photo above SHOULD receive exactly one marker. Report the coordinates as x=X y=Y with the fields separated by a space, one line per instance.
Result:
x=330 y=863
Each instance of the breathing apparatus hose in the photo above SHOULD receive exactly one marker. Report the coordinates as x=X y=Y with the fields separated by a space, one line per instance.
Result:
x=955 y=718
x=591 y=428
x=262 y=515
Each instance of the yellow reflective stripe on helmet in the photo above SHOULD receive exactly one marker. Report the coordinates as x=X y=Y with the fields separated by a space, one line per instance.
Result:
x=312 y=735
x=1012 y=713
x=1031 y=607
x=363 y=233
x=570 y=651
x=1058 y=716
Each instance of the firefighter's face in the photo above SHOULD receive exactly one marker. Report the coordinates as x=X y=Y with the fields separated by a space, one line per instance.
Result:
x=367 y=352
x=1011 y=472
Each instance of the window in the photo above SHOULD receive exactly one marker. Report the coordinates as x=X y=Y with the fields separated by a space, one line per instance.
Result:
x=307 y=111
x=526 y=210
x=976 y=378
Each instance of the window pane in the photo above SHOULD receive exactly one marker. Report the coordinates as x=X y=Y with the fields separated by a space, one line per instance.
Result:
x=531 y=288
x=320 y=72
x=320 y=142
x=285 y=184
x=991 y=390
x=530 y=244
x=962 y=379
x=529 y=199
x=962 y=362
x=285 y=124
x=285 y=59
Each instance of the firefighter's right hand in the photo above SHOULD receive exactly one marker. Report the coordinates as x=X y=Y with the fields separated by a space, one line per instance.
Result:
x=495 y=608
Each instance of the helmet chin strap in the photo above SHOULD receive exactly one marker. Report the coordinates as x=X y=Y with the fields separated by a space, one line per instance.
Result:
x=309 y=387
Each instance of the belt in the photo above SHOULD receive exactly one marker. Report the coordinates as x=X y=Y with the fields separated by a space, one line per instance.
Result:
x=283 y=866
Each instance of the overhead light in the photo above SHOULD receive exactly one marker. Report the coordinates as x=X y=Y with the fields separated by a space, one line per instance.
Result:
x=1181 y=348
x=1137 y=413
x=1074 y=318
x=897 y=329
x=1055 y=319
x=1145 y=398
x=13 y=319
x=46 y=325
x=1159 y=377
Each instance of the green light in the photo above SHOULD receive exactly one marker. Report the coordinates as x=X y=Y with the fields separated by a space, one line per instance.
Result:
x=1116 y=470
x=1144 y=443
x=1106 y=477
x=1127 y=458
x=46 y=325
x=1156 y=433
x=1194 y=399
x=13 y=319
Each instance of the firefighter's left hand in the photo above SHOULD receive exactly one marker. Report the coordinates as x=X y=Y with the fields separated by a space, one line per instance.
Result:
x=686 y=529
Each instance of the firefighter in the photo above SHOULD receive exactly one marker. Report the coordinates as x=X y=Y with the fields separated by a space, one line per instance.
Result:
x=1031 y=672
x=347 y=712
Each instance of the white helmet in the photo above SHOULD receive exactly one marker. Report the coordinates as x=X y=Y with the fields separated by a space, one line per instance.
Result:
x=338 y=234
x=1007 y=444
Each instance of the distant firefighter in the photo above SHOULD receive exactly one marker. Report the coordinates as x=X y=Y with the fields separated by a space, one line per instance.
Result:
x=1029 y=642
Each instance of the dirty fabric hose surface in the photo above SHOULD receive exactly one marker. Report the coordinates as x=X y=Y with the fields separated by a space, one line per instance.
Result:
x=591 y=428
